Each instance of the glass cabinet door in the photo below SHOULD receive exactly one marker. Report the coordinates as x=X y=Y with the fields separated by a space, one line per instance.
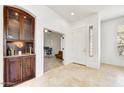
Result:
x=28 y=28
x=13 y=30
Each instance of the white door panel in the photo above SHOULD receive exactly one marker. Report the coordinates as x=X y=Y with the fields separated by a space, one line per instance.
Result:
x=79 y=46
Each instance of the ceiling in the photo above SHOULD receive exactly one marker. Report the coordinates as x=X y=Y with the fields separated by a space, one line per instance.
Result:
x=81 y=11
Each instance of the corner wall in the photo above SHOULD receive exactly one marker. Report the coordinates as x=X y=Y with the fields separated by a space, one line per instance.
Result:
x=109 y=48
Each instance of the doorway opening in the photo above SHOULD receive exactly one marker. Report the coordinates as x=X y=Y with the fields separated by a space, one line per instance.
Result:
x=53 y=49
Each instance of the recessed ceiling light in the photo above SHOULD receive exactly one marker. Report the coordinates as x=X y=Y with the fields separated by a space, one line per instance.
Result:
x=72 y=13
x=45 y=30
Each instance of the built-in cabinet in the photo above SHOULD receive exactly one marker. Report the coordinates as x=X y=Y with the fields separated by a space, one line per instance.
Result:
x=19 y=69
x=19 y=53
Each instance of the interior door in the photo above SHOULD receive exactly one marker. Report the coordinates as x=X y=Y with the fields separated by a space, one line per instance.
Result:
x=79 y=45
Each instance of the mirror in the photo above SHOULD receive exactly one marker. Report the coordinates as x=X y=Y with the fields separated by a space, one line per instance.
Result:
x=120 y=40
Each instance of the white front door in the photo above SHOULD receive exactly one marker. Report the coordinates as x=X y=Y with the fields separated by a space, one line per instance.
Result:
x=79 y=45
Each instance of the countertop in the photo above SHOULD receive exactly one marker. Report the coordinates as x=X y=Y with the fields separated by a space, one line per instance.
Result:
x=18 y=55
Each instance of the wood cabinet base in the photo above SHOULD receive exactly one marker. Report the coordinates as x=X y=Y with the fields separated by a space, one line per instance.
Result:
x=17 y=70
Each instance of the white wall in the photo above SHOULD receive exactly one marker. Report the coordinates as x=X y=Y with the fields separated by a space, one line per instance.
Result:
x=53 y=40
x=1 y=45
x=47 y=18
x=95 y=21
x=109 y=49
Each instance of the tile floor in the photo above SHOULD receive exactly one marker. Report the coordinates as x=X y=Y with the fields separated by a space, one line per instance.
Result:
x=51 y=63
x=74 y=75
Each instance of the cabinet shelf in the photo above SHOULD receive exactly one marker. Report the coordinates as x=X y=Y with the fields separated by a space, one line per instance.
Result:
x=13 y=40
x=19 y=55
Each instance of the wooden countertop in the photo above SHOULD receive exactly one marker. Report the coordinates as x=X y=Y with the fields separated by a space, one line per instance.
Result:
x=18 y=55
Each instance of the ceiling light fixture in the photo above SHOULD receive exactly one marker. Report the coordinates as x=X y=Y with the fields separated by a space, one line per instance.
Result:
x=72 y=13
x=45 y=30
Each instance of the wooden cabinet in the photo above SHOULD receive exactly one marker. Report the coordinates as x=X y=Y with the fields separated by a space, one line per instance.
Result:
x=18 y=30
x=18 y=69
x=18 y=36
x=12 y=68
x=19 y=25
x=26 y=68
x=32 y=60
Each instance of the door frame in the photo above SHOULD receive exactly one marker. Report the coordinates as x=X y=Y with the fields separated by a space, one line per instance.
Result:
x=63 y=35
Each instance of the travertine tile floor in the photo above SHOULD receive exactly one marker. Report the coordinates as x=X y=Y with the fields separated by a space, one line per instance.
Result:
x=51 y=63
x=74 y=75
